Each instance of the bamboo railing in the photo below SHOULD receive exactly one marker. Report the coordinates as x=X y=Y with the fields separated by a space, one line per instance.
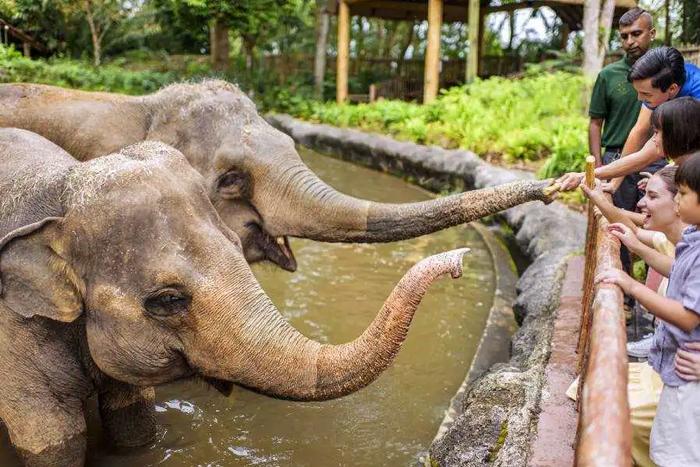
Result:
x=604 y=429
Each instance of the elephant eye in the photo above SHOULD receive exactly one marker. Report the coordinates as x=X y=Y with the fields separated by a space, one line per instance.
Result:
x=167 y=302
x=234 y=184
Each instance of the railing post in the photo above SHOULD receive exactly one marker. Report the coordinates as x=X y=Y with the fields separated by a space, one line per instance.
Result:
x=604 y=433
x=589 y=269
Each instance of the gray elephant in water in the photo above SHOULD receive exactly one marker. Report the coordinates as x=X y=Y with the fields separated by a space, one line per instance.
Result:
x=118 y=274
x=253 y=174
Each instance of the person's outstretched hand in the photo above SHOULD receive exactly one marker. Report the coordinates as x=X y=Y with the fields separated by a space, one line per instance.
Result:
x=687 y=361
x=569 y=181
x=626 y=236
x=615 y=276
x=597 y=189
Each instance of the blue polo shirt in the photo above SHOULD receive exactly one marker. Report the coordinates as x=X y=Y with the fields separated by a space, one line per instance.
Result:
x=692 y=82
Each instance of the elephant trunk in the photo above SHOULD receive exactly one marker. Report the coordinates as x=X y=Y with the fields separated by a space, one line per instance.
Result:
x=309 y=208
x=273 y=358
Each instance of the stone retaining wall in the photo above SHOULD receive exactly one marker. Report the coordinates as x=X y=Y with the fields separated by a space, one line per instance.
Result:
x=497 y=419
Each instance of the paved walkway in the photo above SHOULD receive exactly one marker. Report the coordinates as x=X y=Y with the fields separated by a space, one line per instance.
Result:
x=556 y=428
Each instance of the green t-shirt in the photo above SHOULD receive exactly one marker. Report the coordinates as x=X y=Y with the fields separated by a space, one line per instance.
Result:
x=615 y=100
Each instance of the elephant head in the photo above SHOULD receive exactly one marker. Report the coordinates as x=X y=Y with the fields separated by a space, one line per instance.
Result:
x=260 y=186
x=137 y=256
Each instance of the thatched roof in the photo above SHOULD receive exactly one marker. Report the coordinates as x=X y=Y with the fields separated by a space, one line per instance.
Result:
x=570 y=11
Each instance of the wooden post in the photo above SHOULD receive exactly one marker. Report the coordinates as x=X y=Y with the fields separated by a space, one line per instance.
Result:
x=372 y=92
x=26 y=48
x=473 y=58
x=589 y=271
x=341 y=86
x=432 y=52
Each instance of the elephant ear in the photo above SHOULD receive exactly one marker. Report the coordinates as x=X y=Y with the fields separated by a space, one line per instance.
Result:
x=34 y=279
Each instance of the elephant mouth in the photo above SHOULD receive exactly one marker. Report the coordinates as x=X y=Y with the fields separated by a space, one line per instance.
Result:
x=275 y=249
x=224 y=387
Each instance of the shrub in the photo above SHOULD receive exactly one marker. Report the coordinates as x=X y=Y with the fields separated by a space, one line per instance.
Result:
x=76 y=74
x=532 y=119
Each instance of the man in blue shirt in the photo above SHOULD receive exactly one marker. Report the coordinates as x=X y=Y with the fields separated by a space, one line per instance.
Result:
x=658 y=76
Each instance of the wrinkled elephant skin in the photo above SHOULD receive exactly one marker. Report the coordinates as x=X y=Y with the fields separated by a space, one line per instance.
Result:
x=117 y=274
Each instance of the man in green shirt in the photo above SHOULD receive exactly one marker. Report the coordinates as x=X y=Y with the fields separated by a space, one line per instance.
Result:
x=614 y=106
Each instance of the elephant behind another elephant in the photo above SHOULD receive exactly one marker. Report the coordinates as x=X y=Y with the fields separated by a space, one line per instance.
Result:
x=252 y=172
x=118 y=274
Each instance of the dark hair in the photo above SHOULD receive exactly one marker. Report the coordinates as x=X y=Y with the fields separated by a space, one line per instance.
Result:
x=664 y=65
x=668 y=176
x=679 y=123
x=633 y=15
x=688 y=172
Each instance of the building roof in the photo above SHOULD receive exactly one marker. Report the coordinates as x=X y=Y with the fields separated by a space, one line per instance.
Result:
x=570 y=11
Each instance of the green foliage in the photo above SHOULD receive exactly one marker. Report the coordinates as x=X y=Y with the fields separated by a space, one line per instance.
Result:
x=535 y=118
x=639 y=270
x=76 y=74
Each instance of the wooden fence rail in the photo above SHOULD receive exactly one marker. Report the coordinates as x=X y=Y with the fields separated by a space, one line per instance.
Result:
x=604 y=429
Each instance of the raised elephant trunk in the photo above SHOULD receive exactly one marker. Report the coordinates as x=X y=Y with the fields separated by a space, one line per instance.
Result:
x=275 y=359
x=309 y=208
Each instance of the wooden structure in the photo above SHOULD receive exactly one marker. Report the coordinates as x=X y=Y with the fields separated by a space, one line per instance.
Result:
x=436 y=11
x=604 y=436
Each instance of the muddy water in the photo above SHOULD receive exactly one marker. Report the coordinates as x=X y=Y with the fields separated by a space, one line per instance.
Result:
x=332 y=297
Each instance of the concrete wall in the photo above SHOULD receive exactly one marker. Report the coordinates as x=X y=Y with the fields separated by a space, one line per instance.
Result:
x=496 y=417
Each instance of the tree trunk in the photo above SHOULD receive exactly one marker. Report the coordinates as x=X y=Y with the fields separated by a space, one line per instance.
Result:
x=322 y=26
x=668 y=35
x=249 y=51
x=392 y=28
x=219 y=45
x=511 y=29
x=605 y=27
x=360 y=38
x=94 y=34
x=597 y=22
x=691 y=22
x=404 y=47
x=591 y=18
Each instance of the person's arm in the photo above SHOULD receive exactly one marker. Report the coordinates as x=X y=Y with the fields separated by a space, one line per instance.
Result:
x=629 y=164
x=660 y=262
x=595 y=130
x=639 y=134
x=639 y=151
x=667 y=309
x=611 y=212
x=619 y=168
x=636 y=142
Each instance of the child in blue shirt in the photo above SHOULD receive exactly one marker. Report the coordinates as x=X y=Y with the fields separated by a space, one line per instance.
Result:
x=675 y=435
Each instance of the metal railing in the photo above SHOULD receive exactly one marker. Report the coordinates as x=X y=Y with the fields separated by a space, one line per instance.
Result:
x=604 y=431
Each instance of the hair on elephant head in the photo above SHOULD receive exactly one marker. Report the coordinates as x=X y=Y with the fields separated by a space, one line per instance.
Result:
x=252 y=172
x=134 y=248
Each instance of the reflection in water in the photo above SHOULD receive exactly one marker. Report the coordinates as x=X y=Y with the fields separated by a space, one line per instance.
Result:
x=333 y=296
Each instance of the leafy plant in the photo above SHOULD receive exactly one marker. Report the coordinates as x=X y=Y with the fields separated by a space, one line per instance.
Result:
x=537 y=118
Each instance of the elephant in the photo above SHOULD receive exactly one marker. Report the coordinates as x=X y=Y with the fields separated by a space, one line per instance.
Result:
x=117 y=274
x=253 y=174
